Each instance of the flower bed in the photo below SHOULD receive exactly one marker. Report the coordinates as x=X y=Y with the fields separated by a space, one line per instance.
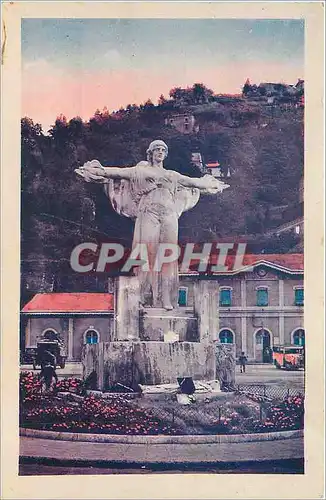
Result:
x=93 y=414
x=119 y=416
x=283 y=416
x=74 y=385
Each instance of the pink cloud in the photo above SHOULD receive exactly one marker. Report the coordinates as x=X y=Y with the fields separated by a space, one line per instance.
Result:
x=49 y=91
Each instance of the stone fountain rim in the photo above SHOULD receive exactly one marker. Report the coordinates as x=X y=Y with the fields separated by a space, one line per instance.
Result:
x=160 y=438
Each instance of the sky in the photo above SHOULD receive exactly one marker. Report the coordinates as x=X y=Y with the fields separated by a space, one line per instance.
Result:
x=76 y=66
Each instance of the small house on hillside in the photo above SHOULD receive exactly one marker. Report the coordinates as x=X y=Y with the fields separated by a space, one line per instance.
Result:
x=197 y=161
x=183 y=122
x=274 y=91
x=214 y=168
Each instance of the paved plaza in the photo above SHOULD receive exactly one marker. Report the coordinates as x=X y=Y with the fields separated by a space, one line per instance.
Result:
x=156 y=456
x=269 y=375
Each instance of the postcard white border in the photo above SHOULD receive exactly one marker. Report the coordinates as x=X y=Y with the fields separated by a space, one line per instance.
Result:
x=309 y=485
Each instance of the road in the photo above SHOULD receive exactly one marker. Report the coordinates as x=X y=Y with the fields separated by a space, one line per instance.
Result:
x=269 y=375
x=39 y=468
x=70 y=370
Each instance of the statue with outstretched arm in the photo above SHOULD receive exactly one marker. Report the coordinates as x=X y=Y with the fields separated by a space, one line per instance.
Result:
x=155 y=198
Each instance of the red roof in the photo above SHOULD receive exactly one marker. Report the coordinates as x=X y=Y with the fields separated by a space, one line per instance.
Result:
x=70 y=302
x=292 y=261
x=213 y=164
x=104 y=302
x=289 y=262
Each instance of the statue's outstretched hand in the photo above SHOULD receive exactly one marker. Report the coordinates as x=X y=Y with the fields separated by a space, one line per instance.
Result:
x=92 y=171
x=213 y=185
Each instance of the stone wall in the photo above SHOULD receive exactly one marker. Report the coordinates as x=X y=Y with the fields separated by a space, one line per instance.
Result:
x=154 y=323
x=148 y=362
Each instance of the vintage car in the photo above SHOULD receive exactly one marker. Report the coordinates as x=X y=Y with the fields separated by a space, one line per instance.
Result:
x=288 y=357
x=46 y=350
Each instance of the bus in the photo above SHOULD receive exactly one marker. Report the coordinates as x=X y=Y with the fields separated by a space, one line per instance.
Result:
x=288 y=357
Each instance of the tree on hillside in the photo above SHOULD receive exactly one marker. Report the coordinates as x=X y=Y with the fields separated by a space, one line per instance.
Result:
x=176 y=93
x=162 y=100
x=60 y=210
x=197 y=94
x=246 y=88
x=201 y=94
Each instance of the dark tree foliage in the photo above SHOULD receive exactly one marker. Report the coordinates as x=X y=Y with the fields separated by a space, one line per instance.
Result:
x=59 y=211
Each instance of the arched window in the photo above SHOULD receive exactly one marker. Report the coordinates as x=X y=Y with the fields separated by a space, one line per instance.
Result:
x=226 y=336
x=263 y=337
x=299 y=337
x=50 y=335
x=91 y=337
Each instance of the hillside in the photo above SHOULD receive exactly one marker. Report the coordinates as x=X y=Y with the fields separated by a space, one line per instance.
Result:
x=262 y=148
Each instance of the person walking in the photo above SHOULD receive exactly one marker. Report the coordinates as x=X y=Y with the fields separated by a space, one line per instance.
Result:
x=243 y=360
x=48 y=357
x=267 y=356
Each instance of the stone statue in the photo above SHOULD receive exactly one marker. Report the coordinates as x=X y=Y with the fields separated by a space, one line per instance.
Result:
x=155 y=198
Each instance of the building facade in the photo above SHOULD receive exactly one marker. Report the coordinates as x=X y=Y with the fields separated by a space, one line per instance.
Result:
x=259 y=305
x=75 y=318
x=183 y=122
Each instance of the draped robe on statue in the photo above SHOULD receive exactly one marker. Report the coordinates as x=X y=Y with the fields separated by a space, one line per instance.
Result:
x=155 y=205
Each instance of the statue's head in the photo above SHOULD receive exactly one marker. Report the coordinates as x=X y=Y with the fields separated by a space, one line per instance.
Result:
x=157 y=145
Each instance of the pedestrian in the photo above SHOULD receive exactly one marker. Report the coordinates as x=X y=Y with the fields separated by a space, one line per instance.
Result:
x=48 y=377
x=267 y=354
x=243 y=360
x=48 y=357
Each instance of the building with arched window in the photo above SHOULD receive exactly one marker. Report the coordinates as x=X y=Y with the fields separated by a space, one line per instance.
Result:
x=256 y=306
x=75 y=319
x=261 y=303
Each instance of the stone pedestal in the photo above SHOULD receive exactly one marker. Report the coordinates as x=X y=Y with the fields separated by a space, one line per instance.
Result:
x=148 y=362
x=155 y=323
x=206 y=309
x=126 y=326
x=158 y=362
x=155 y=346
